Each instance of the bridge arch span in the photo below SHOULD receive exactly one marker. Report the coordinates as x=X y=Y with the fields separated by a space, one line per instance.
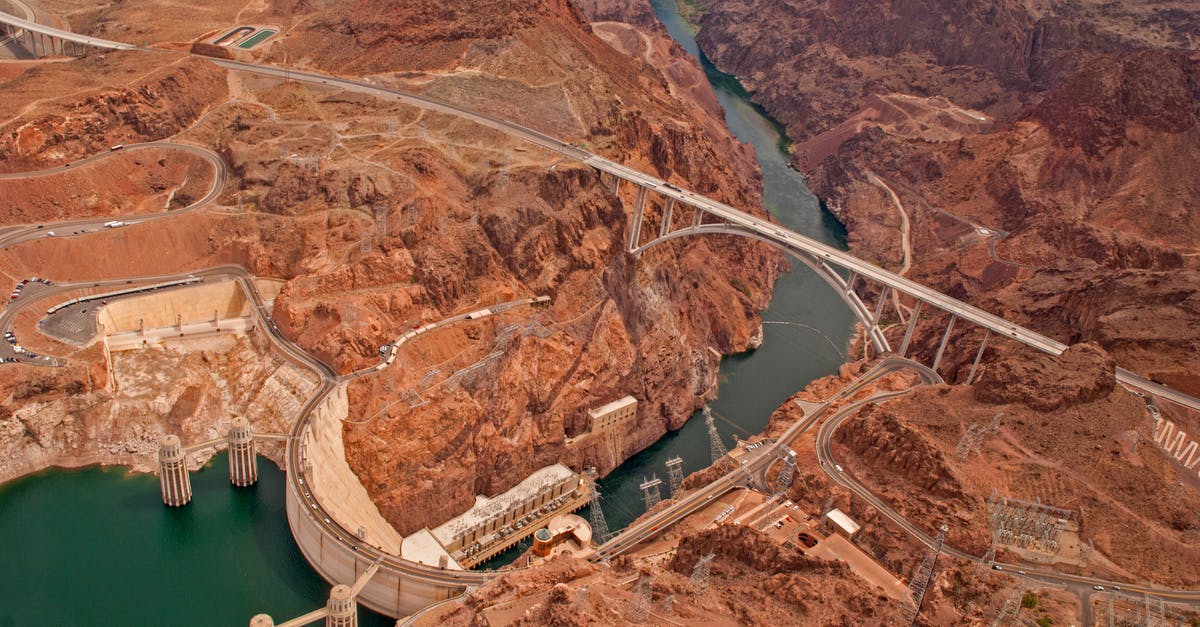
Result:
x=842 y=287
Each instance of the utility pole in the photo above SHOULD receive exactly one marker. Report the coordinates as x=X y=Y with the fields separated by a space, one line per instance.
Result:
x=787 y=473
x=699 y=579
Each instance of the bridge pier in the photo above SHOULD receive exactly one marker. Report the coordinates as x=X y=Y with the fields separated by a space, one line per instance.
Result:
x=937 y=359
x=635 y=226
x=883 y=298
x=342 y=608
x=978 y=355
x=912 y=325
x=243 y=465
x=664 y=226
x=173 y=473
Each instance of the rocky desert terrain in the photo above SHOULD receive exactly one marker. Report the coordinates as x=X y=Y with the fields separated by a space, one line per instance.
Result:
x=1066 y=131
x=1035 y=159
x=379 y=215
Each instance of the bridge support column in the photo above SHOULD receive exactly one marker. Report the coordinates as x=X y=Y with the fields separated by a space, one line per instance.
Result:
x=937 y=359
x=635 y=227
x=883 y=296
x=343 y=609
x=173 y=473
x=243 y=466
x=664 y=226
x=616 y=185
x=697 y=218
x=978 y=355
x=850 y=282
x=912 y=324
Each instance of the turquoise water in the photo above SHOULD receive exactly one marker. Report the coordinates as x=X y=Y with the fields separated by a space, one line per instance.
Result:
x=815 y=323
x=96 y=546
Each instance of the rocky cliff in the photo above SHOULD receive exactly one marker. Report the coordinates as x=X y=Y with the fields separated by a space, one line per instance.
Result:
x=1044 y=154
x=380 y=216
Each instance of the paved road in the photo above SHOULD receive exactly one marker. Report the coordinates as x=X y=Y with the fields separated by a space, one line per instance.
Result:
x=734 y=221
x=1078 y=584
x=15 y=235
x=38 y=297
x=756 y=464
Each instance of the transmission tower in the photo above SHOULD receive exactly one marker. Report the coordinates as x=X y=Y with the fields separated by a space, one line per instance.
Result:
x=923 y=577
x=640 y=610
x=1007 y=607
x=650 y=491
x=669 y=603
x=581 y=600
x=1111 y=618
x=595 y=514
x=381 y=215
x=675 y=475
x=699 y=579
x=784 y=480
x=989 y=558
x=717 y=449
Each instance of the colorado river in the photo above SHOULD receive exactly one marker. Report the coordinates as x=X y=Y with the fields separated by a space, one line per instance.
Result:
x=96 y=546
x=813 y=323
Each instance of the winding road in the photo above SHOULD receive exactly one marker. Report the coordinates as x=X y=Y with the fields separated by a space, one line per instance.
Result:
x=17 y=234
x=756 y=465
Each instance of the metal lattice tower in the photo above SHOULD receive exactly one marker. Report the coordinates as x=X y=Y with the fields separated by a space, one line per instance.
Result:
x=669 y=603
x=989 y=558
x=973 y=438
x=640 y=610
x=787 y=473
x=381 y=215
x=717 y=447
x=699 y=579
x=581 y=600
x=923 y=577
x=1007 y=607
x=1111 y=618
x=675 y=475
x=650 y=491
x=595 y=514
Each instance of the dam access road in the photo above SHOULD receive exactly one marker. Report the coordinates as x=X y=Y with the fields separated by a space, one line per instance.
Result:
x=417 y=585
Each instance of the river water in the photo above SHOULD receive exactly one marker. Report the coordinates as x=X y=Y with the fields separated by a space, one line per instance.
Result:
x=806 y=327
x=96 y=546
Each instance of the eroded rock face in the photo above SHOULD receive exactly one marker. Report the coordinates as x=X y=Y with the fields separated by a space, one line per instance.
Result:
x=881 y=438
x=154 y=106
x=1068 y=133
x=1083 y=373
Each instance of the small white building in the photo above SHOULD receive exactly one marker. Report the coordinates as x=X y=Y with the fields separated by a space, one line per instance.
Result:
x=836 y=521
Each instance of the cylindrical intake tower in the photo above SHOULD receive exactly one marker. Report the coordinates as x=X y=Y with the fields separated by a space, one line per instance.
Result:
x=173 y=472
x=243 y=467
x=343 y=610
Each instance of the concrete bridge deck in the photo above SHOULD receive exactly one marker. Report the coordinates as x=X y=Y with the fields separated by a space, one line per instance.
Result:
x=404 y=586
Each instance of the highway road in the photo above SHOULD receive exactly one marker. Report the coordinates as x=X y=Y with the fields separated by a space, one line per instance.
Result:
x=1079 y=584
x=756 y=463
x=733 y=219
x=17 y=234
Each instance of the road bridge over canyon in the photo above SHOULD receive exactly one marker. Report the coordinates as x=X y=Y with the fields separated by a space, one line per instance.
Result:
x=403 y=587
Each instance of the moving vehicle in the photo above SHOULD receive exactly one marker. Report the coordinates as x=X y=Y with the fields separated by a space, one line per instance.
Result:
x=113 y=224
